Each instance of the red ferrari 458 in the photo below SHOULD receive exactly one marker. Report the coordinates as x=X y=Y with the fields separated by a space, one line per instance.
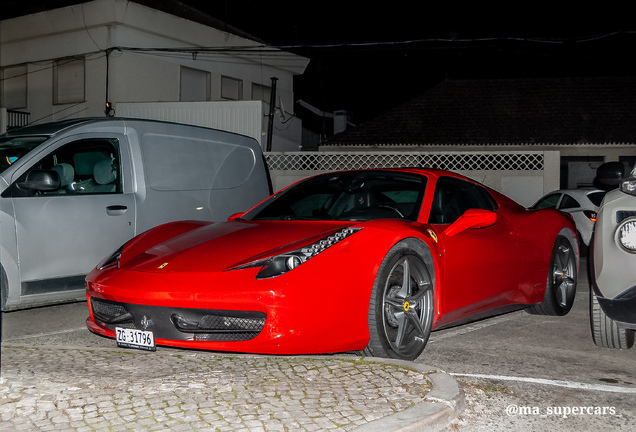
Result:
x=369 y=261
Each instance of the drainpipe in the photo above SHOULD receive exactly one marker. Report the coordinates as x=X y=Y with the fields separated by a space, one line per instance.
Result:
x=109 y=111
x=272 y=108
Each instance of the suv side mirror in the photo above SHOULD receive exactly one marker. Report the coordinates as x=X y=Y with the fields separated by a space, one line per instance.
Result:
x=41 y=180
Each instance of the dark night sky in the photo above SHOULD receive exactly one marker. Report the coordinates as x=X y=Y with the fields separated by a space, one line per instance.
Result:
x=453 y=41
x=456 y=42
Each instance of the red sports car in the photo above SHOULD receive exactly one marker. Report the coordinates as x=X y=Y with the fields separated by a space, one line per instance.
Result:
x=367 y=261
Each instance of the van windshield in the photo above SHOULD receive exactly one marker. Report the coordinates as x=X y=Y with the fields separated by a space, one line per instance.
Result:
x=13 y=148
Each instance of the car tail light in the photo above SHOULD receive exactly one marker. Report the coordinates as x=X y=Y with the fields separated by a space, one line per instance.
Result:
x=591 y=215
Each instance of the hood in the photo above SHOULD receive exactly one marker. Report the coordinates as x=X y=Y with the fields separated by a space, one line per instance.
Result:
x=220 y=246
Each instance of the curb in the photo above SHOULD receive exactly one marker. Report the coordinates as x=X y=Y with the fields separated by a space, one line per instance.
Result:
x=443 y=404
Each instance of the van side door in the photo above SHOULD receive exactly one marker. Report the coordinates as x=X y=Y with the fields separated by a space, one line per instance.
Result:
x=63 y=233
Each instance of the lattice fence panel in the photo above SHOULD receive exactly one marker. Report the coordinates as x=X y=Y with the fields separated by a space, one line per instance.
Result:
x=455 y=161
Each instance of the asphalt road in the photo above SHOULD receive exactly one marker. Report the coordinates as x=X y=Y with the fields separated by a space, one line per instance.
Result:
x=524 y=372
x=520 y=372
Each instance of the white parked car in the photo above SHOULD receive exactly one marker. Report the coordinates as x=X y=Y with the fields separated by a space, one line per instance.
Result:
x=582 y=204
x=612 y=268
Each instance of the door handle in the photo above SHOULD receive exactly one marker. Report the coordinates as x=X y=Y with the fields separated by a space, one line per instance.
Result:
x=116 y=210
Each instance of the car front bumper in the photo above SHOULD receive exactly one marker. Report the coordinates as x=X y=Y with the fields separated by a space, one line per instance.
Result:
x=621 y=309
x=296 y=313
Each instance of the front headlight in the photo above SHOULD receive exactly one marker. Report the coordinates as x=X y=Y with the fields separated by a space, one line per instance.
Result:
x=280 y=264
x=627 y=235
x=629 y=186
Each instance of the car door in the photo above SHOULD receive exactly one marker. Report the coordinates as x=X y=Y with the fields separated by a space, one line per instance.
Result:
x=480 y=266
x=62 y=234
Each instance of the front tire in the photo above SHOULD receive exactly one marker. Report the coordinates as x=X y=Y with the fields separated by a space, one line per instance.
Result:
x=605 y=332
x=401 y=306
x=561 y=285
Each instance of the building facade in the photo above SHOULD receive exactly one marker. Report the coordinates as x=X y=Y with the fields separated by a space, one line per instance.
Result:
x=85 y=59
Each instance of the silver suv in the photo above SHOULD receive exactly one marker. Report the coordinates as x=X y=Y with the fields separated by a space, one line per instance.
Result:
x=612 y=268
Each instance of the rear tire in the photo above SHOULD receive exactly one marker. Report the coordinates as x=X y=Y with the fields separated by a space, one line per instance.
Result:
x=401 y=306
x=561 y=285
x=605 y=332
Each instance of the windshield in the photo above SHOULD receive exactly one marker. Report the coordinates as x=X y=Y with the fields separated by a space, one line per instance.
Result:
x=351 y=196
x=13 y=148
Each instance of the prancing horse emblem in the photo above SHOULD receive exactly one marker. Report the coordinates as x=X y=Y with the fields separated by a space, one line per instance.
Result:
x=145 y=323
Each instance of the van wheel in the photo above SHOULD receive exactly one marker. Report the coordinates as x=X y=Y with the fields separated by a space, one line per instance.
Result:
x=560 y=288
x=605 y=332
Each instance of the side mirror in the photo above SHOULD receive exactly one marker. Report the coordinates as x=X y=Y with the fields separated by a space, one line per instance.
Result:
x=41 y=180
x=472 y=218
x=235 y=216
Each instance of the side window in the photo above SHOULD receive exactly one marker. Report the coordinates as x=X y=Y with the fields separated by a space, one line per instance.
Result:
x=548 y=201
x=84 y=167
x=454 y=196
x=568 y=202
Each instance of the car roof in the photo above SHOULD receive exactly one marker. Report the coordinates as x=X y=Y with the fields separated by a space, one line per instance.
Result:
x=577 y=192
x=52 y=128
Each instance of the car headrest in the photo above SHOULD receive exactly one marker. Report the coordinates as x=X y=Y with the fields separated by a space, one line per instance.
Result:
x=66 y=172
x=104 y=172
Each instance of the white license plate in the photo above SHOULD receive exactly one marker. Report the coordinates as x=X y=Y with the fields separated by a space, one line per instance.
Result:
x=132 y=338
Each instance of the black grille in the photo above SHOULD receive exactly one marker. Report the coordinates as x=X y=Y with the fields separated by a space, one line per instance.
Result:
x=621 y=215
x=225 y=327
x=212 y=322
x=111 y=313
x=225 y=337
x=180 y=323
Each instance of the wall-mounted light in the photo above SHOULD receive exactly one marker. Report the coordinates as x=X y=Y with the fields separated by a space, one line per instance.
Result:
x=109 y=111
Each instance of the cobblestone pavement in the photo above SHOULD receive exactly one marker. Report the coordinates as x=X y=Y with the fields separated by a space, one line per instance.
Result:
x=80 y=389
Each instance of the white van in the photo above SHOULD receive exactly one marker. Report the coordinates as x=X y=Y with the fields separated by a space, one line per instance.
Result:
x=72 y=192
